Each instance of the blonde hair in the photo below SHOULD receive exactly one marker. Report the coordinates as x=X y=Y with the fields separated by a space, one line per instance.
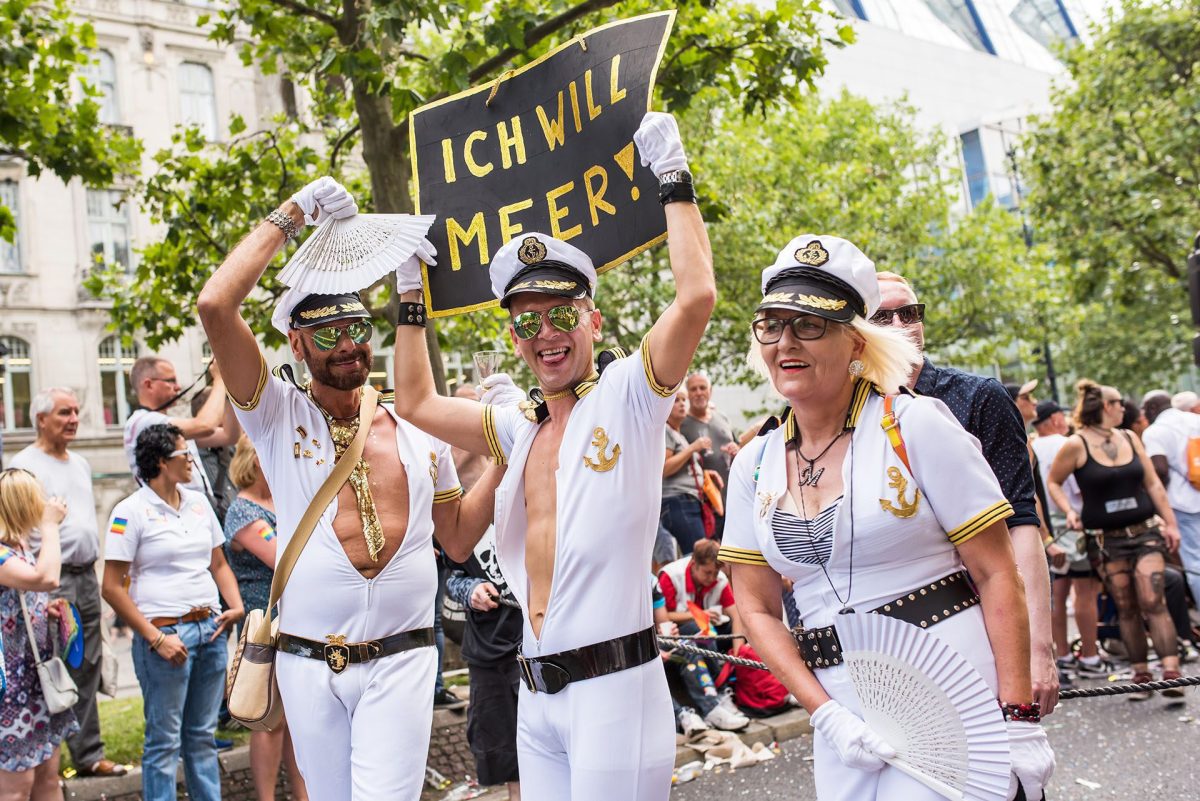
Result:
x=888 y=275
x=888 y=354
x=21 y=505
x=241 y=466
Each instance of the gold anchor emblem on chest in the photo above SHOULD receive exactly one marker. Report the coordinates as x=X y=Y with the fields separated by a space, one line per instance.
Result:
x=603 y=462
x=337 y=653
x=898 y=482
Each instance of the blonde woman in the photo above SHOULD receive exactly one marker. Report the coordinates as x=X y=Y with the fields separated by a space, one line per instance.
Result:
x=250 y=546
x=29 y=735
x=856 y=520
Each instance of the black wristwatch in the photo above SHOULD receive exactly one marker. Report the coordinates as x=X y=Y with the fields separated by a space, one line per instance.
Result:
x=675 y=186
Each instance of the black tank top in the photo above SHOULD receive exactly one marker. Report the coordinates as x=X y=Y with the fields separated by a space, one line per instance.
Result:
x=1113 y=496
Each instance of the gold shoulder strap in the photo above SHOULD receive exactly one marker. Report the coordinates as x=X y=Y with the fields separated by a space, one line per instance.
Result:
x=321 y=501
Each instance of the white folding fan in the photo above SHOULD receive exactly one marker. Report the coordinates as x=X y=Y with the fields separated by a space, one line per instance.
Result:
x=930 y=704
x=351 y=254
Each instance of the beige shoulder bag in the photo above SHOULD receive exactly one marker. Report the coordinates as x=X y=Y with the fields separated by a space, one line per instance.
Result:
x=251 y=691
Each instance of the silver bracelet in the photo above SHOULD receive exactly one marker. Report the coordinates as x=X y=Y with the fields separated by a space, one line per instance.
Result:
x=284 y=222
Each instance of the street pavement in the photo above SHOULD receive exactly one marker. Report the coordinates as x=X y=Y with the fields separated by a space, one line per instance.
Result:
x=1106 y=748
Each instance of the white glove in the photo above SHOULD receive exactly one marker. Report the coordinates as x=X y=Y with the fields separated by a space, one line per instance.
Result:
x=658 y=143
x=408 y=274
x=499 y=389
x=325 y=196
x=1032 y=759
x=856 y=744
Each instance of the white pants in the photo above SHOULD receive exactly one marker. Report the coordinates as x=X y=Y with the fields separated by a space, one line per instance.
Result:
x=836 y=782
x=362 y=734
x=601 y=739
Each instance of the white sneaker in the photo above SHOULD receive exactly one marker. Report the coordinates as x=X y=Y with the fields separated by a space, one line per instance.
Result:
x=726 y=702
x=722 y=718
x=689 y=722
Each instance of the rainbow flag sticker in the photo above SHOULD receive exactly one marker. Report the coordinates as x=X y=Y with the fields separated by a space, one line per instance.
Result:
x=265 y=531
x=118 y=525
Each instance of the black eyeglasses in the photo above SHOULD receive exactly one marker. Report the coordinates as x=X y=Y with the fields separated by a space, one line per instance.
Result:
x=769 y=330
x=564 y=318
x=912 y=313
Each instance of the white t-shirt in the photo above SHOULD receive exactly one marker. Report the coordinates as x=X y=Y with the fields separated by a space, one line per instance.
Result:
x=1168 y=436
x=169 y=551
x=139 y=421
x=71 y=480
x=609 y=498
x=1046 y=448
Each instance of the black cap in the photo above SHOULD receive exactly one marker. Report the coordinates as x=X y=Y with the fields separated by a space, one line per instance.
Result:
x=812 y=292
x=1045 y=410
x=316 y=310
x=547 y=278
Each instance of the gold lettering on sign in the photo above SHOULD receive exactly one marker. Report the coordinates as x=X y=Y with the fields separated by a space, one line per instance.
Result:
x=595 y=196
x=553 y=129
x=515 y=143
x=575 y=107
x=448 y=160
x=509 y=229
x=615 y=93
x=475 y=231
x=478 y=170
x=593 y=109
x=557 y=213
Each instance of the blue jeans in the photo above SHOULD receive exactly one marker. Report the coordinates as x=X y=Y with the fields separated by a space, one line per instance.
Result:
x=1189 y=549
x=180 y=705
x=681 y=516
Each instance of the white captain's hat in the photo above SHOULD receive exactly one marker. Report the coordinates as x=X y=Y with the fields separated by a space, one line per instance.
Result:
x=535 y=262
x=822 y=275
x=299 y=309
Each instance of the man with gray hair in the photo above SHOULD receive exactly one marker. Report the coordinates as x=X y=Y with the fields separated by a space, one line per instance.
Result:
x=704 y=421
x=1166 y=441
x=67 y=475
x=1185 y=401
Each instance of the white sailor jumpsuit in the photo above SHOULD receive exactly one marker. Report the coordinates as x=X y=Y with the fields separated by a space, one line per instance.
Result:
x=613 y=736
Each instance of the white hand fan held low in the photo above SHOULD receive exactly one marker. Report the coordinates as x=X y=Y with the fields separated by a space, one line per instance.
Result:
x=351 y=254
x=930 y=704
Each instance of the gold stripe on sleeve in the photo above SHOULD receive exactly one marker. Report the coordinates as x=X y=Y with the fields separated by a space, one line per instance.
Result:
x=741 y=556
x=251 y=404
x=489 y=434
x=659 y=389
x=446 y=496
x=996 y=512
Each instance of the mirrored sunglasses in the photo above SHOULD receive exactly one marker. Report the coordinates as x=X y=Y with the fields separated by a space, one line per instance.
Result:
x=910 y=314
x=769 y=330
x=326 y=337
x=564 y=318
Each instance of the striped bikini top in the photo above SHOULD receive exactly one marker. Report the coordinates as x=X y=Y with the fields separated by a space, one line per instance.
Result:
x=806 y=542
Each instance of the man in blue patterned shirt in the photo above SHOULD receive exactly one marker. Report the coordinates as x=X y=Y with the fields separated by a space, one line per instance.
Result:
x=984 y=408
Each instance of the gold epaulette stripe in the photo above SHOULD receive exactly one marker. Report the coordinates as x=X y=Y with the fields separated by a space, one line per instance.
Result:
x=387 y=396
x=996 y=512
x=741 y=556
x=489 y=434
x=250 y=405
x=862 y=391
x=659 y=389
x=445 y=496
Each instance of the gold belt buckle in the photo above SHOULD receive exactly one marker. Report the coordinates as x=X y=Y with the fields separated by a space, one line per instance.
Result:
x=337 y=652
x=527 y=672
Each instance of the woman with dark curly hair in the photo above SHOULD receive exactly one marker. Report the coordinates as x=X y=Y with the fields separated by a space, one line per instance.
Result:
x=166 y=539
x=1125 y=541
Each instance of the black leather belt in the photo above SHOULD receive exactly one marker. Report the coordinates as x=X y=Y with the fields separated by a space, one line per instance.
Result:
x=338 y=654
x=550 y=674
x=1136 y=530
x=79 y=569
x=924 y=606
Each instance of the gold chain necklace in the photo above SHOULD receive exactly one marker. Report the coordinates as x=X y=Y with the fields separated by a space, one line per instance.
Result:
x=343 y=432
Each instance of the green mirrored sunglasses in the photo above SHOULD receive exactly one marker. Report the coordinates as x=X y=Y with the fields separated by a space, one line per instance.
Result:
x=326 y=337
x=564 y=318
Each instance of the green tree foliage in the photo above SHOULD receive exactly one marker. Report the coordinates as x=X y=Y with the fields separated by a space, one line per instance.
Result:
x=49 y=117
x=362 y=67
x=1114 y=176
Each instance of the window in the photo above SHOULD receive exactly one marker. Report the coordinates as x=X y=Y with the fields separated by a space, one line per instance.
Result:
x=960 y=16
x=108 y=227
x=1045 y=21
x=850 y=8
x=116 y=393
x=102 y=75
x=16 y=378
x=10 y=252
x=974 y=167
x=197 y=99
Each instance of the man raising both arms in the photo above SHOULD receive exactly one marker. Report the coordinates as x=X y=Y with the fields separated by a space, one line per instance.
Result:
x=577 y=510
x=359 y=711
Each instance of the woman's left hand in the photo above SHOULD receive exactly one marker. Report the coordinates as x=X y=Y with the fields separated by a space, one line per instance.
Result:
x=1032 y=758
x=227 y=619
x=1170 y=536
x=716 y=477
x=56 y=609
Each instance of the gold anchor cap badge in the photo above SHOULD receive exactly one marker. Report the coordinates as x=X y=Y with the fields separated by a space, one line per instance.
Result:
x=337 y=653
x=898 y=482
x=603 y=463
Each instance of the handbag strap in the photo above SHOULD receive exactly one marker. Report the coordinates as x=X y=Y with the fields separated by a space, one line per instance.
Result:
x=317 y=507
x=891 y=427
x=37 y=658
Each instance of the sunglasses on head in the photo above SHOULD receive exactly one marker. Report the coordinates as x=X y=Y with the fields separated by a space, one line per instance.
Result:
x=326 y=337
x=184 y=452
x=564 y=318
x=769 y=330
x=910 y=314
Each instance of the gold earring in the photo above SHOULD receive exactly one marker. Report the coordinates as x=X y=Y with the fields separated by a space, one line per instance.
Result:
x=857 y=368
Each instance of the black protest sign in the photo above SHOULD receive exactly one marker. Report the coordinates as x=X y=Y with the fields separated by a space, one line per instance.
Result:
x=546 y=148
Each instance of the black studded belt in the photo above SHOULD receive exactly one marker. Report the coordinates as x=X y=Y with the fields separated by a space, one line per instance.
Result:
x=924 y=606
x=552 y=673
x=338 y=654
